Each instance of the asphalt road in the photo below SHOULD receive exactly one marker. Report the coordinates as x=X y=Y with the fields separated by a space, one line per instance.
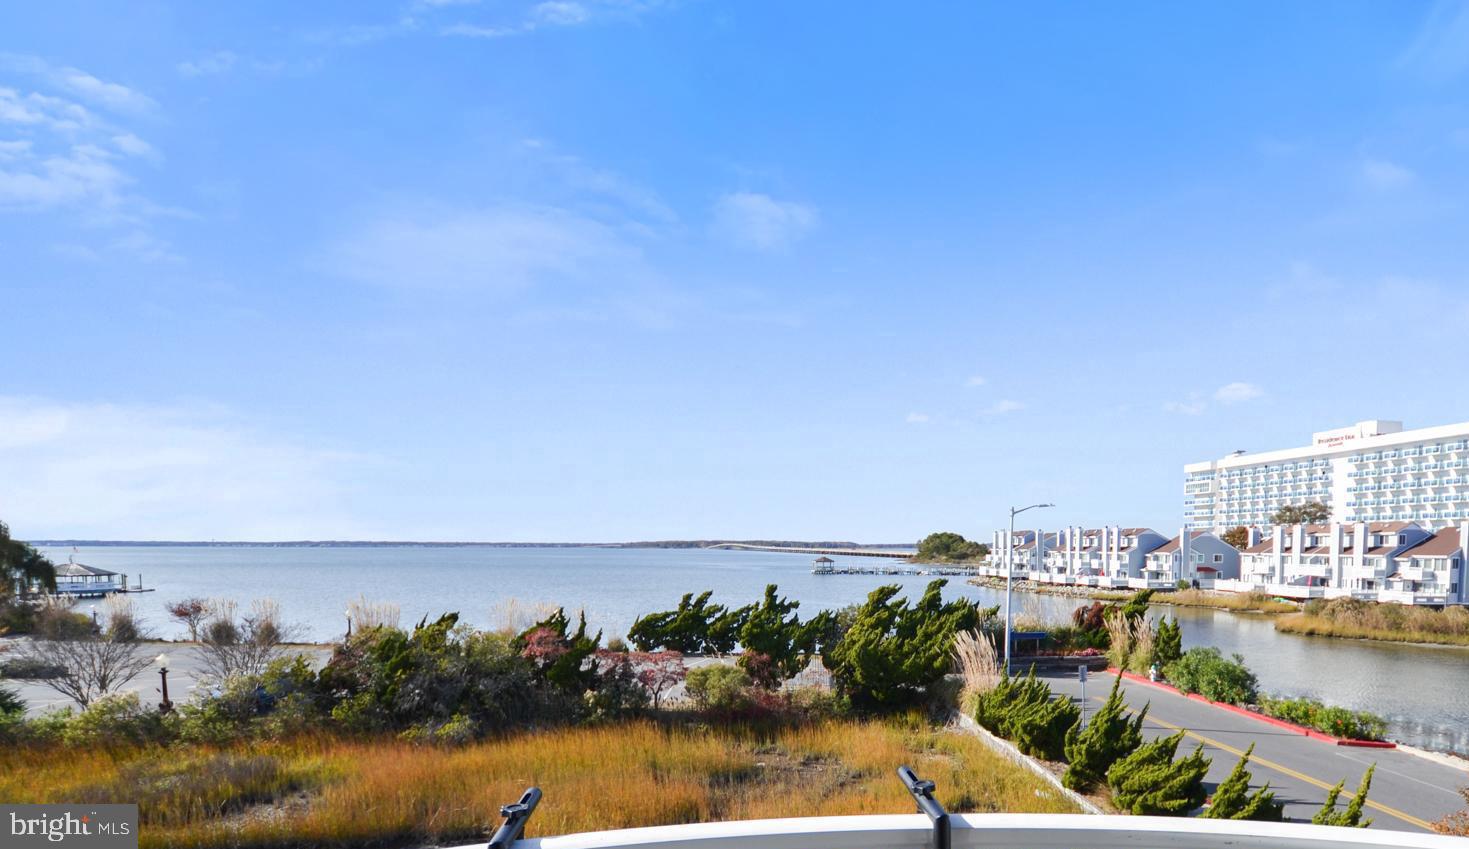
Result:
x=184 y=676
x=1408 y=792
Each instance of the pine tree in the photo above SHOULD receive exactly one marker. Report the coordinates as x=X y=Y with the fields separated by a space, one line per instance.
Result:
x=1168 y=643
x=1233 y=800
x=1040 y=729
x=1109 y=737
x=1352 y=816
x=1149 y=782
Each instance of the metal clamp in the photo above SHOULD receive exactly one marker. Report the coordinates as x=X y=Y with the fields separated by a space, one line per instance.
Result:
x=516 y=816
x=922 y=792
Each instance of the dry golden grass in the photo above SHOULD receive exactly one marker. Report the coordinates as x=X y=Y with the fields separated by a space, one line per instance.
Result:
x=326 y=792
x=978 y=664
x=1255 y=602
x=1403 y=625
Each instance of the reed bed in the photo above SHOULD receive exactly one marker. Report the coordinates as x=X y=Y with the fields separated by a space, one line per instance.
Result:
x=1251 y=602
x=337 y=792
x=1365 y=620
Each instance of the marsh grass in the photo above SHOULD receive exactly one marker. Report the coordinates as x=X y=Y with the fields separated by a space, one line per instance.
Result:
x=1365 y=620
x=338 y=792
x=1251 y=602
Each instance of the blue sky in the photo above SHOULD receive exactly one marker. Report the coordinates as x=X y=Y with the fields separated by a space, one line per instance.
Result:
x=624 y=269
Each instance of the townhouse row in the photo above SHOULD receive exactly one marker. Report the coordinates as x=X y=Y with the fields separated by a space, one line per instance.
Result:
x=1114 y=556
x=1401 y=562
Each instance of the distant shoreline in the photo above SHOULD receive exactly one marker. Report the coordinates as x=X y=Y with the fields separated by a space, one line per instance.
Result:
x=96 y=543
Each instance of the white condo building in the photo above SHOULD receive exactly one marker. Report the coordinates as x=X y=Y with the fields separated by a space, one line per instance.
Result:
x=1373 y=471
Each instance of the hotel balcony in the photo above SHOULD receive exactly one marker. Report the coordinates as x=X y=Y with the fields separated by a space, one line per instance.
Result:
x=973 y=831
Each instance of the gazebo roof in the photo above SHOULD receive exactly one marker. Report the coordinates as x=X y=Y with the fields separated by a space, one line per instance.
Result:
x=80 y=570
x=824 y=559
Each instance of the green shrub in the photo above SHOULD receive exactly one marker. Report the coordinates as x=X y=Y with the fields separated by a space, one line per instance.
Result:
x=1167 y=642
x=30 y=669
x=117 y=720
x=1206 y=672
x=773 y=631
x=1232 y=799
x=1351 y=817
x=1107 y=738
x=11 y=704
x=1338 y=721
x=894 y=651
x=1149 y=782
x=686 y=628
x=718 y=687
x=1040 y=729
x=1137 y=606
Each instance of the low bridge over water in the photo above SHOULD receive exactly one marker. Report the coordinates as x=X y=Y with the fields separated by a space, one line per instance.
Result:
x=896 y=554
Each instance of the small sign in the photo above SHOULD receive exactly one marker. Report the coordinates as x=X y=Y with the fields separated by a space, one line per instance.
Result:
x=77 y=826
x=1081 y=673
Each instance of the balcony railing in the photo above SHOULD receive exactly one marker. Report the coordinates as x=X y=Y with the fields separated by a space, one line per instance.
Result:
x=977 y=831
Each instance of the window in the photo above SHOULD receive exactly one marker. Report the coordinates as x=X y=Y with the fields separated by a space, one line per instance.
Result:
x=1218 y=558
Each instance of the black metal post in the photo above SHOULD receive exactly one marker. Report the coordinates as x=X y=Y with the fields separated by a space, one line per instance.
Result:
x=164 y=706
x=516 y=816
x=922 y=792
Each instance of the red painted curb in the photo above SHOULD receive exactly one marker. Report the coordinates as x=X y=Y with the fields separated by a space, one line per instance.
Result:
x=1259 y=717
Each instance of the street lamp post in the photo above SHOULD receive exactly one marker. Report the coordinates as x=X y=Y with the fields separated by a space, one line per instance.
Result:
x=1010 y=574
x=162 y=660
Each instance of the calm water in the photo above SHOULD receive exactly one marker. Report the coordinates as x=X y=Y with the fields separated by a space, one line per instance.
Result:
x=1422 y=691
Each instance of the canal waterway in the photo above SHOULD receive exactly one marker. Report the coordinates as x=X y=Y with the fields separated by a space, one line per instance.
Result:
x=1422 y=691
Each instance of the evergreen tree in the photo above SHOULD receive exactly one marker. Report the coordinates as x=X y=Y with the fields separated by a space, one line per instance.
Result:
x=684 y=629
x=1106 y=739
x=1352 y=816
x=772 y=630
x=1040 y=729
x=1168 y=642
x=21 y=566
x=894 y=651
x=1137 y=606
x=1149 y=782
x=1233 y=800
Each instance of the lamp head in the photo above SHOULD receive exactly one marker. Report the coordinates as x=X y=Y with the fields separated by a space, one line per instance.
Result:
x=161 y=661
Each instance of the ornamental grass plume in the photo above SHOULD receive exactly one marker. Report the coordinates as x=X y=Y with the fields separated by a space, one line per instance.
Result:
x=978 y=664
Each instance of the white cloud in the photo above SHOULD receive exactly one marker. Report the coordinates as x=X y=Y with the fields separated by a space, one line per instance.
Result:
x=1230 y=393
x=759 y=222
x=124 y=471
x=79 y=83
x=1441 y=49
x=1382 y=174
x=500 y=249
x=1192 y=407
x=918 y=418
x=132 y=145
x=560 y=13
x=84 y=173
x=1234 y=393
x=71 y=157
x=217 y=62
x=606 y=185
x=975 y=380
x=543 y=15
x=1000 y=408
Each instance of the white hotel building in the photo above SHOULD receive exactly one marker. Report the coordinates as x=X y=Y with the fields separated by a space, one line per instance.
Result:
x=1373 y=471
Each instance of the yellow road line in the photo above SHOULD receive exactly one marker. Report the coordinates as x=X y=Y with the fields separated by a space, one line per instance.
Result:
x=1281 y=768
